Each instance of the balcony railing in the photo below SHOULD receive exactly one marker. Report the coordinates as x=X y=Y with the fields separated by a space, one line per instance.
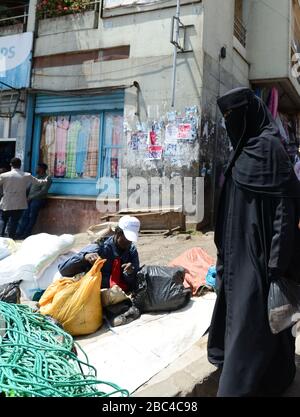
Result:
x=87 y=6
x=240 y=31
x=14 y=15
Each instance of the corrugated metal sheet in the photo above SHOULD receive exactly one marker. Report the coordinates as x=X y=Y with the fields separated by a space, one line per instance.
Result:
x=46 y=104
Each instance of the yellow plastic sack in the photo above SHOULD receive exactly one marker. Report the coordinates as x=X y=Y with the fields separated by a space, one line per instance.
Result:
x=76 y=304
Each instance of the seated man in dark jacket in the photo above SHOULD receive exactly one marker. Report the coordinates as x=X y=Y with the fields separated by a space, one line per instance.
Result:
x=122 y=260
x=121 y=266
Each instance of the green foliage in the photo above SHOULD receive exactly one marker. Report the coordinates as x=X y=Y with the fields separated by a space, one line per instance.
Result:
x=54 y=8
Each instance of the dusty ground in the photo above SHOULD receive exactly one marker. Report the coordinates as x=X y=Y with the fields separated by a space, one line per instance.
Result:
x=159 y=250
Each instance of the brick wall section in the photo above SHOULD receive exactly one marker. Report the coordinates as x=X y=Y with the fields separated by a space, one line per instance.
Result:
x=67 y=216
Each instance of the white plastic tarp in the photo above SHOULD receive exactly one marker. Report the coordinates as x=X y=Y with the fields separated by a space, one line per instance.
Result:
x=130 y=355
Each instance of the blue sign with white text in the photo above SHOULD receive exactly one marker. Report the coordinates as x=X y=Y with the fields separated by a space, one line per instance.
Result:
x=15 y=59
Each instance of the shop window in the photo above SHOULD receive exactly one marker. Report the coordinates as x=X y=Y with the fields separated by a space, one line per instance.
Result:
x=79 y=149
x=112 y=145
x=70 y=145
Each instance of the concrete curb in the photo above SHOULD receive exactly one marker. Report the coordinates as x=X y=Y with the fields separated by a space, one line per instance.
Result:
x=191 y=375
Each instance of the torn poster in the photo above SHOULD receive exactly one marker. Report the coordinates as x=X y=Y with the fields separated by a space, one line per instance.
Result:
x=154 y=152
x=170 y=150
x=171 y=133
x=184 y=131
x=138 y=141
x=155 y=137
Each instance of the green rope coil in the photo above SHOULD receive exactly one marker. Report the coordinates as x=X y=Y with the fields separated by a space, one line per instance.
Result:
x=37 y=359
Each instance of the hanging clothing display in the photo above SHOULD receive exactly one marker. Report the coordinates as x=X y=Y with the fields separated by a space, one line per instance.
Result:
x=92 y=154
x=273 y=104
x=288 y=124
x=51 y=143
x=73 y=131
x=62 y=126
x=82 y=145
x=70 y=145
x=43 y=146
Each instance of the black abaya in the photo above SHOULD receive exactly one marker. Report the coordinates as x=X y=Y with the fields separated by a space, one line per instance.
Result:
x=257 y=239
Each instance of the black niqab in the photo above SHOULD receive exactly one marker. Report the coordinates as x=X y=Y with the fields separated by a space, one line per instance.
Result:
x=259 y=162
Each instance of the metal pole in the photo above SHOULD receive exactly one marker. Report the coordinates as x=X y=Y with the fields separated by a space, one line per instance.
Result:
x=215 y=149
x=175 y=52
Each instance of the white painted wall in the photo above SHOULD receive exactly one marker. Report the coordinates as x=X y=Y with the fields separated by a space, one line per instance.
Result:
x=218 y=32
x=268 y=40
x=150 y=61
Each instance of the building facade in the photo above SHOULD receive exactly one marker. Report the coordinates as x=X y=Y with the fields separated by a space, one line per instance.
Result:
x=103 y=112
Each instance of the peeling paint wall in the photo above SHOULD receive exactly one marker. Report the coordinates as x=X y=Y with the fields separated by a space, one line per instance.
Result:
x=164 y=144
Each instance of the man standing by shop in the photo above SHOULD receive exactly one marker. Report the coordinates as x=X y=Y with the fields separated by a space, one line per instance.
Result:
x=14 y=200
x=36 y=200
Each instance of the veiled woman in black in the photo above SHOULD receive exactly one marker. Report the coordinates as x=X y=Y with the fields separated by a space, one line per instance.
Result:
x=257 y=239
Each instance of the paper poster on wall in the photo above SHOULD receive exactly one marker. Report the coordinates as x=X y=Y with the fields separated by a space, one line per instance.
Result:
x=154 y=152
x=138 y=141
x=155 y=137
x=171 y=116
x=184 y=131
x=170 y=150
x=171 y=133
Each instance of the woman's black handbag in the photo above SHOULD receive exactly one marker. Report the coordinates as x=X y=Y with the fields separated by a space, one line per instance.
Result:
x=283 y=304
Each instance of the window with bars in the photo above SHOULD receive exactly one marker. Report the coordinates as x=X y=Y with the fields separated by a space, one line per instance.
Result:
x=240 y=31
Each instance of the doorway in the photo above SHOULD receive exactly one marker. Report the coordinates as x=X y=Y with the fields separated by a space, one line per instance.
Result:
x=7 y=152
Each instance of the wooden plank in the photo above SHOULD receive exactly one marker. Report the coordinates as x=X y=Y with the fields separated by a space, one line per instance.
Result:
x=154 y=220
x=176 y=209
x=169 y=232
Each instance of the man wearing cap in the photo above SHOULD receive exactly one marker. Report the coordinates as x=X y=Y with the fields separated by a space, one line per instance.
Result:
x=122 y=260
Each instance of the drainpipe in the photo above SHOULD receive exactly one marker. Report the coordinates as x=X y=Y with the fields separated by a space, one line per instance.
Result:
x=175 y=52
x=31 y=27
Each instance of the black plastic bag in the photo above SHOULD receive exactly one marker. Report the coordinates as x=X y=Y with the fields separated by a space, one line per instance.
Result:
x=10 y=293
x=283 y=304
x=160 y=288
